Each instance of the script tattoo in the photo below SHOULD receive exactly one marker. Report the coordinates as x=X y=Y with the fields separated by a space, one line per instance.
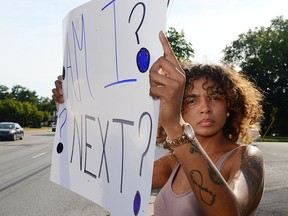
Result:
x=195 y=147
x=252 y=168
x=214 y=175
x=207 y=196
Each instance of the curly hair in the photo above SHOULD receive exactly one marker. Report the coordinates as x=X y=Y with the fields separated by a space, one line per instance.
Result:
x=243 y=98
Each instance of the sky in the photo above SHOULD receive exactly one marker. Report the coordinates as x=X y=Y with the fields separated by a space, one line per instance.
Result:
x=31 y=33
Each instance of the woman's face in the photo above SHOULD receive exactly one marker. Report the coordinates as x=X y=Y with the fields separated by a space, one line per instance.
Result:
x=207 y=113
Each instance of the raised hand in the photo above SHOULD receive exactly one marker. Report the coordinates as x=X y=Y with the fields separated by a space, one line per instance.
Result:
x=58 y=92
x=167 y=83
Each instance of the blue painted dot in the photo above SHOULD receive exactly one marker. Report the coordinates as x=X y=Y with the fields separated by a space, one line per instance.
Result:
x=60 y=148
x=137 y=203
x=143 y=60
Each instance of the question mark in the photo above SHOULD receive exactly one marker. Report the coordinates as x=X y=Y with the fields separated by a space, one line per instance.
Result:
x=143 y=55
x=137 y=198
x=144 y=12
x=60 y=145
x=147 y=148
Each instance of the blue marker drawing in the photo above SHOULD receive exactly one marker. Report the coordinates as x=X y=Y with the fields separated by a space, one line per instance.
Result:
x=143 y=60
x=118 y=81
x=137 y=203
x=69 y=69
x=81 y=46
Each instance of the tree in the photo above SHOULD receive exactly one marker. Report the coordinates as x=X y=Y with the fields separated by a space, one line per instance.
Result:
x=182 y=49
x=46 y=104
x=29 y=113
x=4 y=92
x=25 y=113
x=10 y=110
x=262 y=54
x=23 y=94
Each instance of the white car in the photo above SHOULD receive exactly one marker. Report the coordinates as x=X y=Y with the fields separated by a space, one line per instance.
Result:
x=54 y=126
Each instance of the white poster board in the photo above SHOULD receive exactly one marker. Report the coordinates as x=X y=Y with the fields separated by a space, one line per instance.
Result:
x=105 y=139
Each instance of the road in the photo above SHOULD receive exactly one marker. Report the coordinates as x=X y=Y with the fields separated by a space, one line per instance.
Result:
x=25 y=188
x=274 y=201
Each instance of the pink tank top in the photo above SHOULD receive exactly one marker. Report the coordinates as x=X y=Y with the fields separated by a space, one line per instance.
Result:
x=167 y=203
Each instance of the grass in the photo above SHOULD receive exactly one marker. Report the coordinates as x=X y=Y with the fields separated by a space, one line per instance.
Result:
x=40 y=130
x=274 y=139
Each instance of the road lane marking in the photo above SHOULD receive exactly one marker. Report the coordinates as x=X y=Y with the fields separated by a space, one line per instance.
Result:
x=39 y=155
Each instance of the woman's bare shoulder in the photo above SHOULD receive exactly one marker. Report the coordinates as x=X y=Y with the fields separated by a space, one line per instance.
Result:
x=163 y=167
x=247 y=159
x=168 y=160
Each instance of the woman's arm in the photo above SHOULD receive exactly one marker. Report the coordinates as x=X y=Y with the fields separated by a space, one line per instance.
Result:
x=162 y=170
x=217 y=196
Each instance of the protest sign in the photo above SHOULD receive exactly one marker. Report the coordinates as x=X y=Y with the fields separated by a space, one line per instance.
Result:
x=106 y=129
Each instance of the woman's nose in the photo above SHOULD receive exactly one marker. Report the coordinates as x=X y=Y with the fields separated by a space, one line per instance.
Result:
x=205 y=106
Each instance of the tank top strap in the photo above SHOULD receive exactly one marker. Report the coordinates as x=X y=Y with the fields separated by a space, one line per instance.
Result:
x=224 y=157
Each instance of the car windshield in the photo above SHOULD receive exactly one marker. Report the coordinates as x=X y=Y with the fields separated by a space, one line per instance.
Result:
x=7 y=126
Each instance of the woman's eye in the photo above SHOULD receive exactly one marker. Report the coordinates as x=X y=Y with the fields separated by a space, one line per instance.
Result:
x=215 y=98
x=191 y=101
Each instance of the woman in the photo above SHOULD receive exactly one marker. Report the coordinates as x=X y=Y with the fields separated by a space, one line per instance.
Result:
x=205 y=114
x=209 y=172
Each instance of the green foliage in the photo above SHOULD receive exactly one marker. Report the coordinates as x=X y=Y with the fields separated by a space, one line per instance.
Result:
x=22 y=94
x=10 y=110
x=23 y=106
x=4 y=92
x=46 y=104
x=262 y=54
x=182 y=49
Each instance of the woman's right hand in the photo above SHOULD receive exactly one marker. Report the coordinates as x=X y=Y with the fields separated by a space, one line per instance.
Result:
x=167 y=83
x=58 y=92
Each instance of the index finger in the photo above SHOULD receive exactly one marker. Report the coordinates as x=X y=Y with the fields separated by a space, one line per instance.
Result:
x=58 y=84
x=169 y=54
x=60 y=78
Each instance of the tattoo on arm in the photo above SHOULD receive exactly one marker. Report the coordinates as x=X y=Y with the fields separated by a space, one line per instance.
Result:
x=207 y=196
x=195 y=147
x=252 y=167
x=214 y=175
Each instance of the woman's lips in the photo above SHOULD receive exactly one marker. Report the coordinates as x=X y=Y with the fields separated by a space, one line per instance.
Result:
x=206 y=122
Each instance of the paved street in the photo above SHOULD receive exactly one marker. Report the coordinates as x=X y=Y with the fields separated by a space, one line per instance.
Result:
x=275 y=197
x=25 y=188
